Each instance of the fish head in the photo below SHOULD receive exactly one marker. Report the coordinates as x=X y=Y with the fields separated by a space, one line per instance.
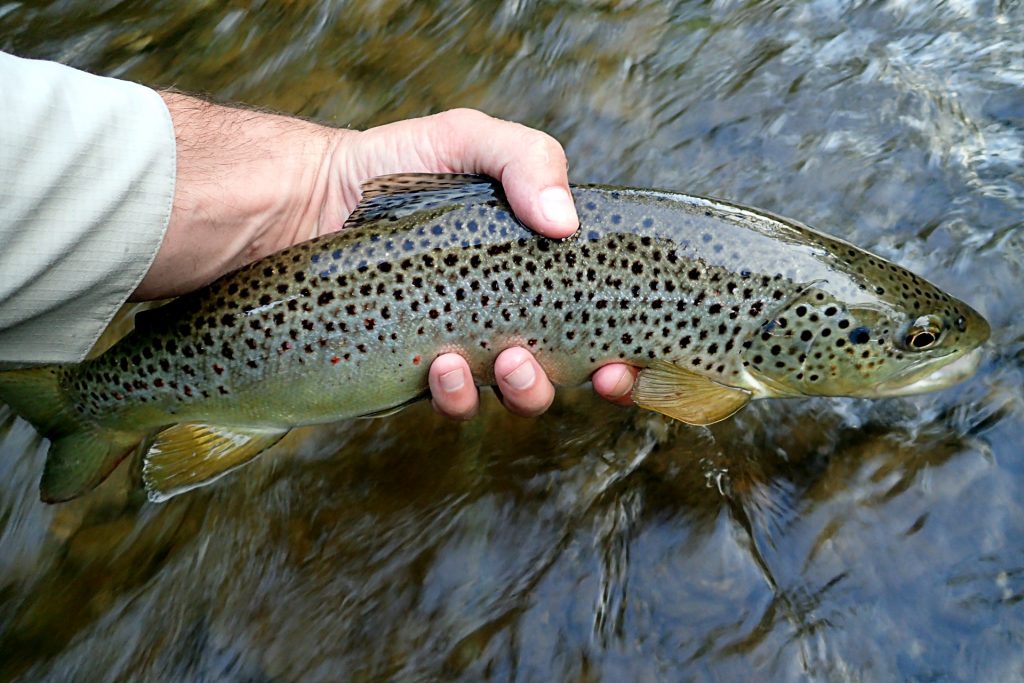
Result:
x=830 y=342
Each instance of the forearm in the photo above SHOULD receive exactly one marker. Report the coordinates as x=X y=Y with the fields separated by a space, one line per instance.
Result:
x=248 y=183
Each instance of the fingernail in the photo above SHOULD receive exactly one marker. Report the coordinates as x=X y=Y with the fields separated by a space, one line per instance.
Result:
x=452 y=381
x=557 y=207
x=522 y=377
x=622 y=385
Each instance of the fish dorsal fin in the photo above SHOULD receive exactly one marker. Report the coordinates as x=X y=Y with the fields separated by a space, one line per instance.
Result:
x=390 y=197
x=185 y=456
x=684 y=395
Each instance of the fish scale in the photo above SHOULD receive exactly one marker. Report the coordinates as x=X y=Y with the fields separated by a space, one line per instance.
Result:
x=719 y=302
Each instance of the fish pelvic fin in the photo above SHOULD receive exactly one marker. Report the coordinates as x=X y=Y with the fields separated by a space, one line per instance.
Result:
x=186 y=456
x=394 y=196
x=82 y=454
x=684 y=395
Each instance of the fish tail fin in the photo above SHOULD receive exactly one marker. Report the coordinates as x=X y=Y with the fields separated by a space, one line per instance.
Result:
x=81 y=453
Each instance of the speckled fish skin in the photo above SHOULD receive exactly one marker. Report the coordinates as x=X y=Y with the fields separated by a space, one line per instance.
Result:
x=347 y=324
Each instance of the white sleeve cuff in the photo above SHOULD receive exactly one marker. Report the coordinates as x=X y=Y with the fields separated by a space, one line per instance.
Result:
x=87 y=170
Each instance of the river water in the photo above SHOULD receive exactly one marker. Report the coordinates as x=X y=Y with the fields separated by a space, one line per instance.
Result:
x=817 y=539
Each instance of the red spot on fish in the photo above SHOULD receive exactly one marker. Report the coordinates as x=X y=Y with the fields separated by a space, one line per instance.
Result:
x=218 y=369
x=187 y=389
x=335 y=360
x=416 y=360
x=118 y=395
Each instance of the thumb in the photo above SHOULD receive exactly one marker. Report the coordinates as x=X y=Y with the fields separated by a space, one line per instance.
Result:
x=530 y=164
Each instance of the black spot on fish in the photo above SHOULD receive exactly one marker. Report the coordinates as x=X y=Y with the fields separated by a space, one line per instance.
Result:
x=860 y=335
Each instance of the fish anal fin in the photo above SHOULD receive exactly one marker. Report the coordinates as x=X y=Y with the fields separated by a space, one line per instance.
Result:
x=391 y=197
x=685 y=395
x=190 y=455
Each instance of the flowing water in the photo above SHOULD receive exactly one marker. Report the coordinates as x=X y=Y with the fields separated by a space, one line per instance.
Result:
x=824 y=540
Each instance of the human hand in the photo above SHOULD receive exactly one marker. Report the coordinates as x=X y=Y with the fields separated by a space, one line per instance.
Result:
x=251 y=183
x=531 y=166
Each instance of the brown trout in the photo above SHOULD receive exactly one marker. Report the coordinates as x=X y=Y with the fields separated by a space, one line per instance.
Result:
x=718 y=303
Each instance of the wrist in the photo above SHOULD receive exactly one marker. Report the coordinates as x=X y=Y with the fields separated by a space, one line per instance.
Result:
x=248 y=183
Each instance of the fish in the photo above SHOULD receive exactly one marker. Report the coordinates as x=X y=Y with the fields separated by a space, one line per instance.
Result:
x=716 y=303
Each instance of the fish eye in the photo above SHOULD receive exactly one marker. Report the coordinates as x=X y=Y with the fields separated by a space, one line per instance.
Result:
x=860 y=335
x=923 y=334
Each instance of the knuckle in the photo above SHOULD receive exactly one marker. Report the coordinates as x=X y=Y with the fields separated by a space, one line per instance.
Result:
x=462 y=117
x=548 y=149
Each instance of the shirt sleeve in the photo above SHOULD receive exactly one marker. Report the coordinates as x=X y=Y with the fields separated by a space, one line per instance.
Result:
x=87 y=170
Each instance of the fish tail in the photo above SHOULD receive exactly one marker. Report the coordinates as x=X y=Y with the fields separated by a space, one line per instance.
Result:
x=81 y=453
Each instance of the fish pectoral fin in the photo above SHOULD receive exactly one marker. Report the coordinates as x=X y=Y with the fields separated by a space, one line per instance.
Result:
x=189 y=455
x=394 y=196
x=684 y=395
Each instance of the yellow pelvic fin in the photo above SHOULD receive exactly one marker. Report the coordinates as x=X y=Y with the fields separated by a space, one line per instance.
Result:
x=685 y=395
x=186 y=456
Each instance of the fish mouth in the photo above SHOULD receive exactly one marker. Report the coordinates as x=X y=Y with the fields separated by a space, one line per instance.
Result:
x=950 y=372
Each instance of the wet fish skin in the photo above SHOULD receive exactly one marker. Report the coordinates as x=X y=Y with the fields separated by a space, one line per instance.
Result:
x=719 y=302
